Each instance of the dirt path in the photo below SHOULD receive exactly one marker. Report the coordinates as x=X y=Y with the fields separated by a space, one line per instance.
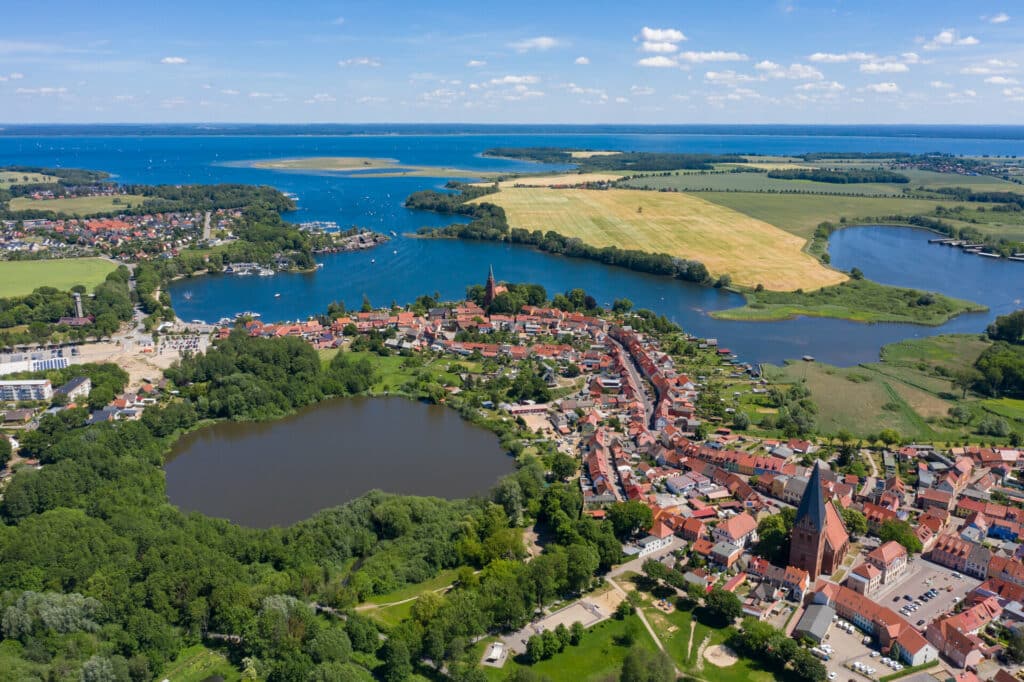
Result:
x=689 y=645
x=650 y=630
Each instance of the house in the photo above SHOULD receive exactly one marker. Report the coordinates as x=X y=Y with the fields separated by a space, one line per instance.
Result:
x=660 y=537
x=815 y=623
x=725 y=554
x=956 y=635
x=692 y=529
x=740 y=530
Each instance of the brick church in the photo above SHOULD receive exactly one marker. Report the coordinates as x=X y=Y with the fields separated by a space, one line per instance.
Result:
x=820 y=541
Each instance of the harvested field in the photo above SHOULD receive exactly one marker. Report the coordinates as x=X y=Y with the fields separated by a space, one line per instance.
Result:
x=751 y=251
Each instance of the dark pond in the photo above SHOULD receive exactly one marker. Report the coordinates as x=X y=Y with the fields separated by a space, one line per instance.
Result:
x=279 y=472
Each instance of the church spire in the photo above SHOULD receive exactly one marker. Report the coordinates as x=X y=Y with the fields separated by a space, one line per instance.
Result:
x=491 y=290
x=812 y=504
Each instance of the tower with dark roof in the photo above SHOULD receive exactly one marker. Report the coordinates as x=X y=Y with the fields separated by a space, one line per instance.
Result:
x=819 y=541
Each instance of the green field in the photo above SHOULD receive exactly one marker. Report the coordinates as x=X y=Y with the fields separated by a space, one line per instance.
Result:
x=800 y=214
x=908 y=390
x=598 y=657
x=197 y=663
x=754 y=182
x=857 y=300
x=19 y=278
x=77 y=206
x=977 y=183
x=8 y=178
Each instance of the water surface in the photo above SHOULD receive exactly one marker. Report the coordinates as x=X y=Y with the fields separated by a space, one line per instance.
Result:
x=276 y=473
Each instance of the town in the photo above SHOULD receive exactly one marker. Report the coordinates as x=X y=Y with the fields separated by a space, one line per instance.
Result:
x=916 y=565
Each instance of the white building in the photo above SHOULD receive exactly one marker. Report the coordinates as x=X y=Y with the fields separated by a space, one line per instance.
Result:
x=26 y=389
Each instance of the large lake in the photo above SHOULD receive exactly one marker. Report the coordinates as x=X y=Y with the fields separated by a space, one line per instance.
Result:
x=279 y=472
x=180 y=154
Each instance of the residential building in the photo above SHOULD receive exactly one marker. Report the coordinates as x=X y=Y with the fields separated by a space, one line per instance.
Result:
x=26 y=389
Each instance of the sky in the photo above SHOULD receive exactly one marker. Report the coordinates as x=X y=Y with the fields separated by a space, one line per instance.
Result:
x=673 y=61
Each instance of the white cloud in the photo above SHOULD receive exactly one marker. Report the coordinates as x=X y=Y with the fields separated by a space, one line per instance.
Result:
x=712 y=56
x=948 y=37
x=338 y=21
x=174 y=60
x=360 y=61
x=124 y=98
x=321 y=98
x=1014 y=94
x=41 y=91
x=582 y=61
x=1001 y=80
x=729 y=77
x=515 y=80
x=1000 y=18
x=990 y=66
x=911 y=58
x=660 y=62
x=539 y=43
x=230 y=92
x=15 y=76
x=828 y=86
x=840 y=58
x=592 y=92
x=369 y=99
x=260 y=95
x=621 y=100
x=658 y=47
x=670 y=35
x=884 y=67
x=941 y=85
x=770 y=69
x=883 y=88
x=476 y=63
x=642 y=90
x=172 y=102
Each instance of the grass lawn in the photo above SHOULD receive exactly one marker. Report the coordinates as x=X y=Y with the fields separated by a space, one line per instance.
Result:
x=677 y=224
x=19 y=278
x=198 y=663
x=598 y=657
x=800 y=214
x=8 y=178
x=858 y=300
x=442 y=579
x=77 y=206
x=902 y=392
x=1005 y=407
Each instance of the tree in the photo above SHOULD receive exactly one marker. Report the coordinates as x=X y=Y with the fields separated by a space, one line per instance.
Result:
x=642 y=665
x=576 y=633
x=622 y=305
x=5 y=451
x=629 y=517
x=856 y=523
x=965 y=379
x=397 y=661
x=723 y=607
x=889 y=436
x=562 y=465
x=901 y=532
x=740 y=420
x=535 y=649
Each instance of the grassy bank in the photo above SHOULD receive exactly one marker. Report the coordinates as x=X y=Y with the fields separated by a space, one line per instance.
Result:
x=857 y=300
x=910 y=390
x=20 y=278
x=366 y=167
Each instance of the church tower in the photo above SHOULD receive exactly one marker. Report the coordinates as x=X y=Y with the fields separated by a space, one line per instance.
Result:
x=819 y=541
x=490 y=291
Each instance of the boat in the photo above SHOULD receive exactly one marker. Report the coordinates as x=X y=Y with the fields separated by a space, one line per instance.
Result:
x=277 y=295
x=373 y=260
x=319 y=266
x=395 y=251
x=187 y=295
x=393 y=233
x=808 y=358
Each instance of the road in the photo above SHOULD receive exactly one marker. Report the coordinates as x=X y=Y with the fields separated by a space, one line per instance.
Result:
x=638 y=381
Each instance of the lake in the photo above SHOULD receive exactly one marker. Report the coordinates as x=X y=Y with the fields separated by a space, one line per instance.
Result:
x=277 y=473
x=207 y=154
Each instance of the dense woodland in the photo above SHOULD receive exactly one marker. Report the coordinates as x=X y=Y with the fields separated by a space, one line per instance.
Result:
x=842 y=176
x=627 y=161
x=141 y=580
x=1000 y=368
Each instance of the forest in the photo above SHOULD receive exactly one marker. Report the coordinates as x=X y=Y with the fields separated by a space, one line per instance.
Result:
x=839 y=176
x=142 y=581
x=1000 y=368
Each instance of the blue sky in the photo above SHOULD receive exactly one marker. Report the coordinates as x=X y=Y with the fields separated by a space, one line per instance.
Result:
x=674 y=61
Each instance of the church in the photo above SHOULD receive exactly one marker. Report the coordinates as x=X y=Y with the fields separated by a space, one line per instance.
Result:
x=492 y=289
x=819 y=542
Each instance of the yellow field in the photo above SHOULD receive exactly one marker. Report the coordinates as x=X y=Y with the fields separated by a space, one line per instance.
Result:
x=77 y=205
x=751 y=251
x=589 y=154
x=8 y=178
x=564 y=179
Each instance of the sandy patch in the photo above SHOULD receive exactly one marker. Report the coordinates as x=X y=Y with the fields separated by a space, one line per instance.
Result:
x=720 y=656
x=591 y=153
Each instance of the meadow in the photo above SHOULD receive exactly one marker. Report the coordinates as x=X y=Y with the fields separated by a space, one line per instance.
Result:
x=750 y=250
x=77 y=206
x=908 y=390
x=20 y=278
x=753 y=182
x=9 y=178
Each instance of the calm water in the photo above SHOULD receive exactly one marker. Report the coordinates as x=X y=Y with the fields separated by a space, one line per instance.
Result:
x=180 y=154
x=280 y=472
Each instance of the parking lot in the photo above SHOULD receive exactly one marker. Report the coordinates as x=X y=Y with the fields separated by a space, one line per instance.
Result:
x=921 y=576
x=847 y=649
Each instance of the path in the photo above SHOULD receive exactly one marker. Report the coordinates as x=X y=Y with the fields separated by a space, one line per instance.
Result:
x=871 y=461
x=650 y=630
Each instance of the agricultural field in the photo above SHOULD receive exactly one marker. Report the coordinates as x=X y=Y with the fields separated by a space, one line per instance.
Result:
x=77 y=206
x=977 y=183
x=677 y=224
x=755 y=182
x=9 y=178
x=908 y=390
x=20 y=278
x=561 y=179
x=800 y=214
